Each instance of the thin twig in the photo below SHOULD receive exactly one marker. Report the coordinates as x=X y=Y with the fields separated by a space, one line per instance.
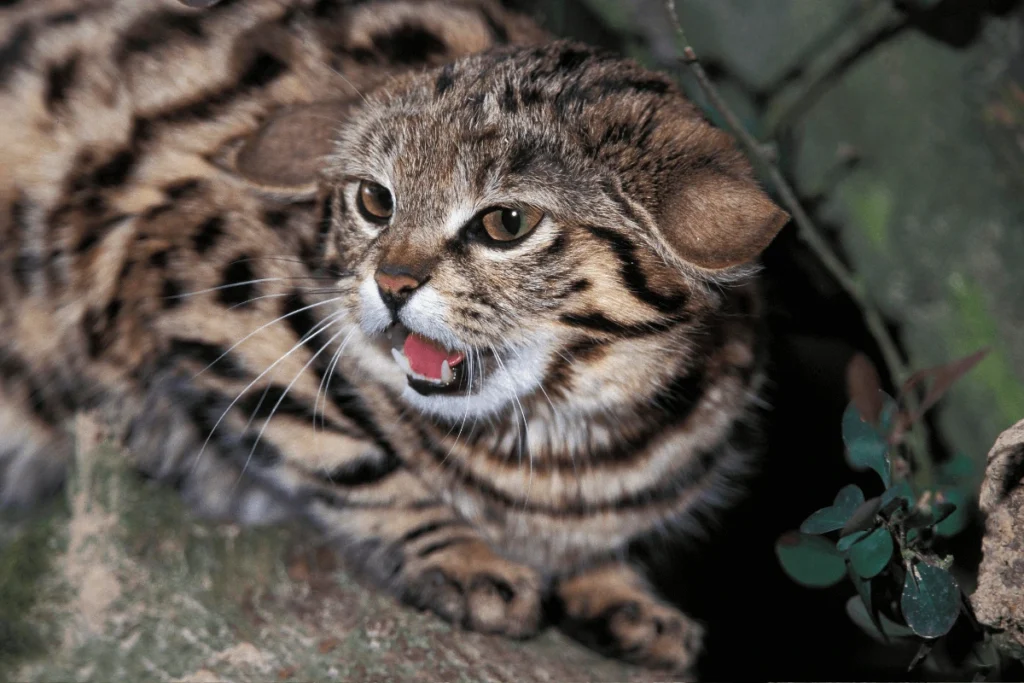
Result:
x=809 y=233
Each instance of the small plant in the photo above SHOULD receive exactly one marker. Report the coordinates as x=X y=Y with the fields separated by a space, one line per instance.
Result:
x=885 y=544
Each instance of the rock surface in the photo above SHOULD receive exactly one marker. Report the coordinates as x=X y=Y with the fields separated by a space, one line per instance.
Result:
x=116 y=582
x=999 y=599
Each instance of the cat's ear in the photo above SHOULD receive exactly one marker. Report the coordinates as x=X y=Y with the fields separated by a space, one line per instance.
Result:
x=716 y=216
x=287 y=152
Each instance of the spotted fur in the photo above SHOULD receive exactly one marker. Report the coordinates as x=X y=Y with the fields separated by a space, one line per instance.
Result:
x=180 y=248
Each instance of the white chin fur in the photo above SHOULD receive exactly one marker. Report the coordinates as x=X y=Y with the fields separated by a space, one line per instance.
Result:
x=519 y=373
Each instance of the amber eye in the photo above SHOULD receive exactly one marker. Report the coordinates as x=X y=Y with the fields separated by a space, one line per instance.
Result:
x=375 y=202
x=505 y=224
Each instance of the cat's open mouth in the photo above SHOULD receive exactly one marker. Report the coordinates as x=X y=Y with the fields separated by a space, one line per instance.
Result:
x=430 y=368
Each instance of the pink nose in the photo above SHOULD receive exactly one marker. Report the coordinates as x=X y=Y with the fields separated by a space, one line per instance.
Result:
x=395 y=284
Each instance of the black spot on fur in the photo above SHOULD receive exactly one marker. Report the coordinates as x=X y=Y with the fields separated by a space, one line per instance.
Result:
x=235 y=280
x=328 y=9
x=60 y=19
x=156 y=29
x=59 y=80
x=260 y=451
x=262 y=70
x=520 y=158
x=557 y=245
x=408 y=44
x=581 y=285
x=572 y=58
x=158 y=259
x=530 y=96
x=182 y=189
x=115 y=171
x=301 y=322
x=14 y=52
x=171 y=294
x=216 y=358
x=208 y=234
x=157 y=211
x=508 y=101
x=445 y=80
x=275 y=218
x=97 y=327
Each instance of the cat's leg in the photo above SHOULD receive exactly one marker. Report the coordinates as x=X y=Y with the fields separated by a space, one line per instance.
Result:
x=419 y=548
x=386 y=522
x=611 y=608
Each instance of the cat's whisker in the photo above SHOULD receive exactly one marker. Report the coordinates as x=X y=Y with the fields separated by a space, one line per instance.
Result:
x=523 y=436
x=288 y=388
x=320 y=327
x=257 y=281
x=281 y=295
x=353 y=86
x=263 y=327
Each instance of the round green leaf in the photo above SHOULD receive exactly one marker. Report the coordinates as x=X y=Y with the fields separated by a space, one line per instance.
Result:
x=812 y=561
x=958 y=520
x=930 y=601
x=866 y=446
x=846 y=541
x=834 y=517
x=871 y=554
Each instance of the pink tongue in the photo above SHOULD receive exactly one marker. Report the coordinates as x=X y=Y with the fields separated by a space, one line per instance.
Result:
x=425 y=357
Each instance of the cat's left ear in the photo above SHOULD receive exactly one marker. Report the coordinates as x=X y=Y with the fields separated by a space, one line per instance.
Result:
x=714 y=215
x=287 y=152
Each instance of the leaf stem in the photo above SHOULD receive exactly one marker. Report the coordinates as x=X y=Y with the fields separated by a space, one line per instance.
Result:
x=812 y=237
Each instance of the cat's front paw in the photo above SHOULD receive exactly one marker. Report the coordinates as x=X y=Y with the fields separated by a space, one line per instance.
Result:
x=614 y=614
x=468 y=584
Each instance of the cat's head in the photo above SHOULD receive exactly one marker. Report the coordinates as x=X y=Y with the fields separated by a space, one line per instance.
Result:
x=515 y=210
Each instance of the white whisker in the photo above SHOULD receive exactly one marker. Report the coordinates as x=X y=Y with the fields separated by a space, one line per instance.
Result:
x=280 y=399
x=320 y=327
x=263 y=327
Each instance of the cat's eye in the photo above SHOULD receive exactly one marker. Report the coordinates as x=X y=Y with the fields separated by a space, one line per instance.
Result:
x=374 y=201
x=505 y=224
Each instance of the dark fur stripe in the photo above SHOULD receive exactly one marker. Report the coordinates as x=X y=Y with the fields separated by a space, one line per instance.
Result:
x=365 y=470
x=208 y=234
x=599 y=322
x=59 y=80
x=14 y=52
x=670 y=488
x=214 y=358
x=236 y=280
x=435 y=548
x=429 y=528
x=633 y=277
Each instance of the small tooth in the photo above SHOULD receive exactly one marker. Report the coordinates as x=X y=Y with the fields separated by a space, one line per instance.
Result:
x=402 y=361
x=446 y=373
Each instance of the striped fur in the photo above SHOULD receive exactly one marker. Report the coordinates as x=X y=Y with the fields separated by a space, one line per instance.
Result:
x=152 y=267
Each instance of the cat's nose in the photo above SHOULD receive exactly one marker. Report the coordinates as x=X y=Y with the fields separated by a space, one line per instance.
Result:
x=396 y=285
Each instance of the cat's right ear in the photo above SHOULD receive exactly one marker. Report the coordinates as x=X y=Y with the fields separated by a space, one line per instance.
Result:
x=287 y=152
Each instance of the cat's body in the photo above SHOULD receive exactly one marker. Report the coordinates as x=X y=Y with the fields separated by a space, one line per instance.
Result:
x=177 y=251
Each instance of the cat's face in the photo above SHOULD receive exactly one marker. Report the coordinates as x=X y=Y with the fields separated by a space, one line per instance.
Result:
x=497 y=218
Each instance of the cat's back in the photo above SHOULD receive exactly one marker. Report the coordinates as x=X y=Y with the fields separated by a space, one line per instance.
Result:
x=122 y=122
